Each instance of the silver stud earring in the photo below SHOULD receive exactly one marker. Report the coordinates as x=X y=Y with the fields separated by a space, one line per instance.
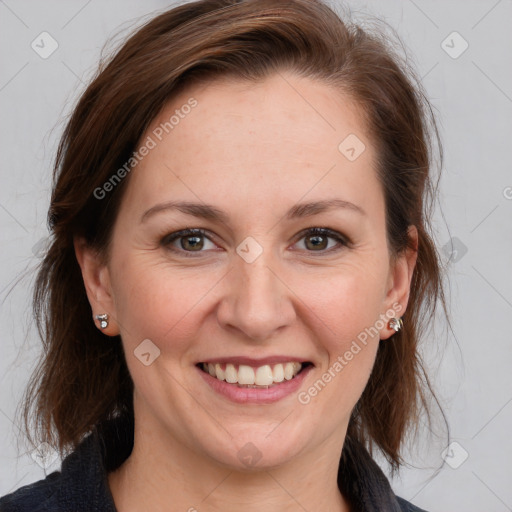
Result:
x=396 y=324
x=103 y=320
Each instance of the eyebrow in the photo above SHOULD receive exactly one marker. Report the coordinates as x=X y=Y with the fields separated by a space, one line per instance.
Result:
x=210 y=212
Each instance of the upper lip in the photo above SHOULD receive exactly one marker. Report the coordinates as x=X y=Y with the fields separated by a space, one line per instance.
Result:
x=250 y=361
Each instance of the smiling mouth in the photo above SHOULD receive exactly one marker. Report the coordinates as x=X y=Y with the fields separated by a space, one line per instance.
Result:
x=245 y=376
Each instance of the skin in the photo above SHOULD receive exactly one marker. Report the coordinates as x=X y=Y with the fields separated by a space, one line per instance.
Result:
x=254 y=151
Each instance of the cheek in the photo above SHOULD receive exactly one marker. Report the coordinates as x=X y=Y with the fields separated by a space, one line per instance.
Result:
x=347 y=329
x=156 y=302
x=346 y=301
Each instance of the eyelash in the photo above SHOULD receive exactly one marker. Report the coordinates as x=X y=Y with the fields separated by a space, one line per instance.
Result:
x=168 y=239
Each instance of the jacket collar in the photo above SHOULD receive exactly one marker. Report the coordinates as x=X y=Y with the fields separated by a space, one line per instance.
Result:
x=360 y=479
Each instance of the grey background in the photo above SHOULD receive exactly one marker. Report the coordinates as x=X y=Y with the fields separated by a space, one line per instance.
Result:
x=473 y=96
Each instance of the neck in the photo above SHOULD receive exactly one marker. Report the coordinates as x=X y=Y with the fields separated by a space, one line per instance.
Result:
x=162 y=474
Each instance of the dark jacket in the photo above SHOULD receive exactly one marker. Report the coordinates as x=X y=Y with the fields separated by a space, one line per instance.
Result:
x=82 y=485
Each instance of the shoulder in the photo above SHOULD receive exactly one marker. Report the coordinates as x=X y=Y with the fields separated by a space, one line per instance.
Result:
x=36 y=497
x=406 y=506
x=82 y=483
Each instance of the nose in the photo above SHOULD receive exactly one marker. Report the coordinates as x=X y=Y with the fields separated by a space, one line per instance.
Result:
x=257 y=301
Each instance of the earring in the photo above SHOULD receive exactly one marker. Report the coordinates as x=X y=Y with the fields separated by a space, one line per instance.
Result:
x=103 y=320
x=396 y=324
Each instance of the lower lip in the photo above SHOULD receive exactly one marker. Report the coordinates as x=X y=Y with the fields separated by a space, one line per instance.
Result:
x=255 y=395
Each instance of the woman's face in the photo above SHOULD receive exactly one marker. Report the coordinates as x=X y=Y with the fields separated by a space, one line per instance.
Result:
x=258 y=165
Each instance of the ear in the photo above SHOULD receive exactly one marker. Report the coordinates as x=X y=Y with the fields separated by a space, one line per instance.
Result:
x=399 y=283
x=96 y=276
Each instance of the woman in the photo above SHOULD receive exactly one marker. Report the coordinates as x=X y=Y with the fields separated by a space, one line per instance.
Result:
x=232 y=299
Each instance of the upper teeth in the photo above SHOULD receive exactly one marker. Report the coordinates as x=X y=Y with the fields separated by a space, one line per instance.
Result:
x=261 y=376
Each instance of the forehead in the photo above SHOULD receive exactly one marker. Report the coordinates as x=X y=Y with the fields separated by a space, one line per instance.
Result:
x=280 y=137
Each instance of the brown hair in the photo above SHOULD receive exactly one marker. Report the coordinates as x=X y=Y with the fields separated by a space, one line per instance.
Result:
x=83 y=378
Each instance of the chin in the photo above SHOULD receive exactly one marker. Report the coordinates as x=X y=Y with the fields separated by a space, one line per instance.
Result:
x=256 y=451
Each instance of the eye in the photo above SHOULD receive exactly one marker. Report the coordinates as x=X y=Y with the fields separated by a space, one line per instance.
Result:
x=317 y=240
x=187 y=241
x=190 y=241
